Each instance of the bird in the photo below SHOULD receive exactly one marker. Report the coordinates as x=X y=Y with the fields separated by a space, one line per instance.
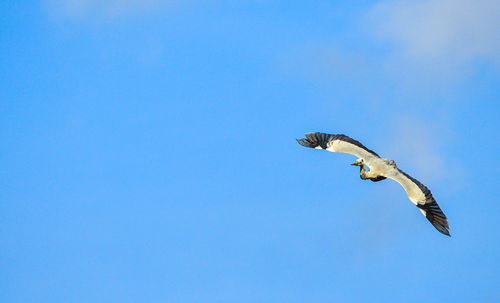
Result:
x=379 y=170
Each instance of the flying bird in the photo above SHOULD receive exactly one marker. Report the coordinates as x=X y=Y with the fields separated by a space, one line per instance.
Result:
x=381 y=169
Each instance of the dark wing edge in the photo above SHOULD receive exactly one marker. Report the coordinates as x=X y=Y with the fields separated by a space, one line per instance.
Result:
x=314 y=140
x=432 y=211
x=435 y=215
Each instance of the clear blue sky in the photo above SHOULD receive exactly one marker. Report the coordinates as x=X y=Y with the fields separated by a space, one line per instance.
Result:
x=148 y=150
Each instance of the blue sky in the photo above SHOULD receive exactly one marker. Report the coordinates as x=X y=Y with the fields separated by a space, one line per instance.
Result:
x=148 y=150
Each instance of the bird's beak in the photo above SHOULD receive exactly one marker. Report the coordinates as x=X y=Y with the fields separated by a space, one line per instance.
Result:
x=355 y=163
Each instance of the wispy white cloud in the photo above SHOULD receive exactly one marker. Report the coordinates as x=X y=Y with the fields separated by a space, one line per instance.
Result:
x=415 y=142
x=418 y=51
x=439 y=31
x=419 y=146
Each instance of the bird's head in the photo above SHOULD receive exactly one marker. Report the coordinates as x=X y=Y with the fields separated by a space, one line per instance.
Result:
x=358 y=162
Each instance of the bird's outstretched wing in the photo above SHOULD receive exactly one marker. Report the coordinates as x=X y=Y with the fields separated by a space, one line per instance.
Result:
x=338 y=144
x=422 y=197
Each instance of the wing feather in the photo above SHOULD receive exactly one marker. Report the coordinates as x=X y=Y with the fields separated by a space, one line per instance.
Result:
x=338 y=144
x=422 y=197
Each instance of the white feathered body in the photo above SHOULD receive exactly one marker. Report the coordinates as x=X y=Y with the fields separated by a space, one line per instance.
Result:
x=379 y=167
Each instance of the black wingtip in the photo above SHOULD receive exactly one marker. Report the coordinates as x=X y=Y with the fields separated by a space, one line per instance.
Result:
x=441 y=224
x=434 y=214
x=310 y=141
x=314 y=140
x=444 y=231
x=305 y=142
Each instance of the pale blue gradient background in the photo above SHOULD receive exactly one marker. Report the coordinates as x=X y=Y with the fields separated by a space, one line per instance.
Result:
x=148 y=154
